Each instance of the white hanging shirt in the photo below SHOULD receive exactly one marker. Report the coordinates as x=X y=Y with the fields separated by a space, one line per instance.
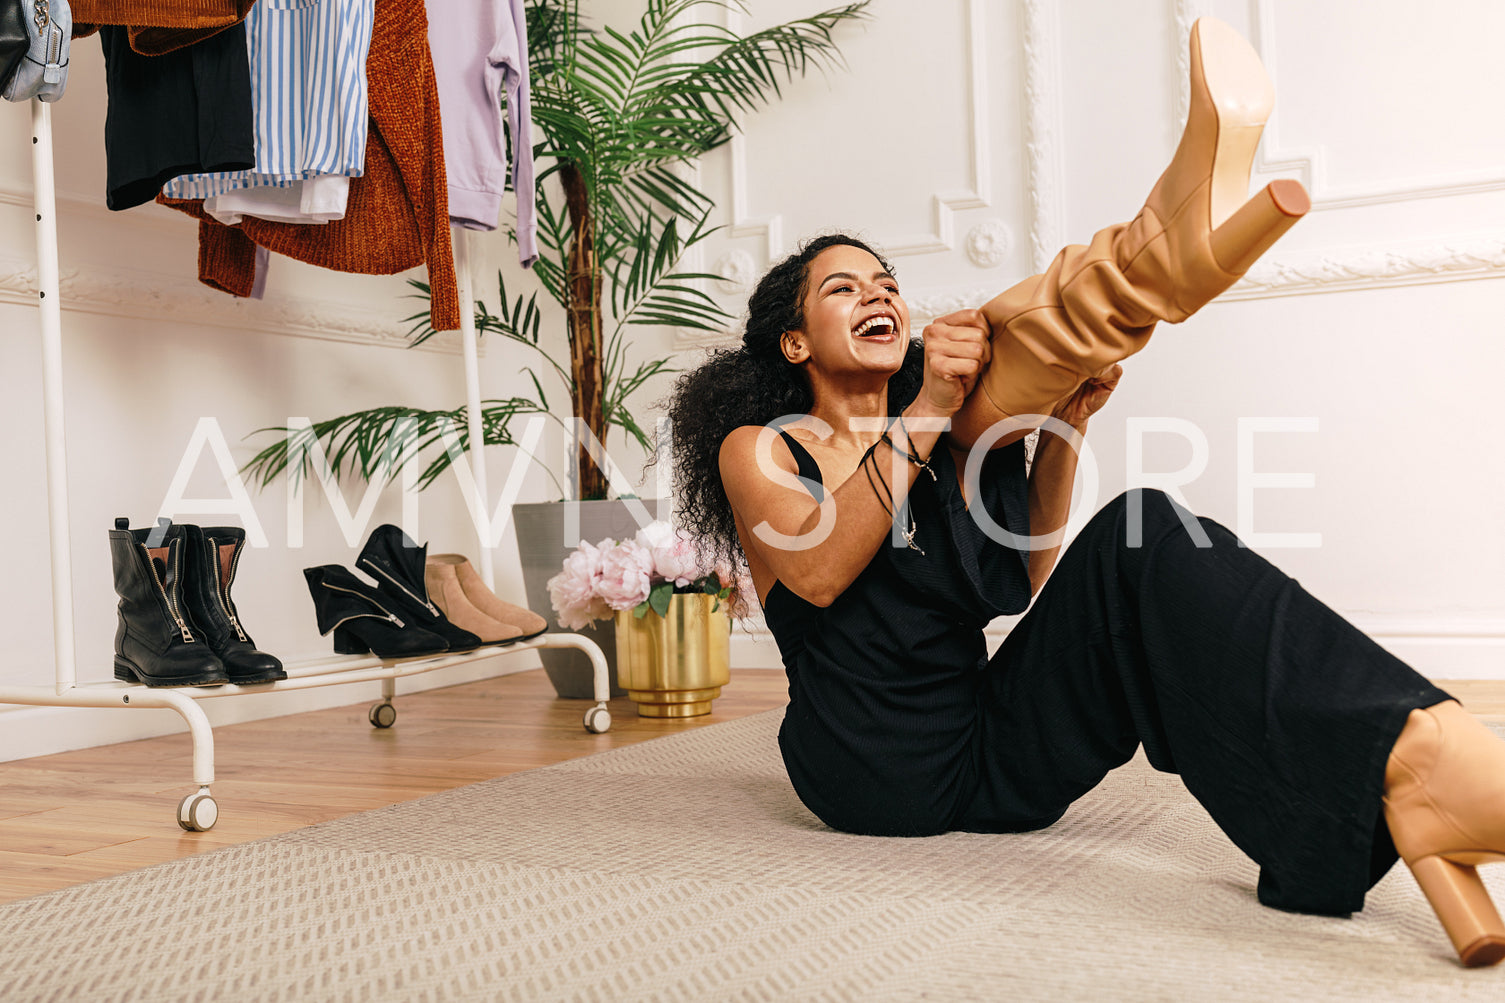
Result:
x=312 y=200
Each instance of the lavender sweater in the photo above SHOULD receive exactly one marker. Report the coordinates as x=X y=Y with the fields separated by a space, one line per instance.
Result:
x=480 y=50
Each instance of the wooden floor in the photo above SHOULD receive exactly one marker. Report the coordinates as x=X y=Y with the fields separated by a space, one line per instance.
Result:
x=76 y=816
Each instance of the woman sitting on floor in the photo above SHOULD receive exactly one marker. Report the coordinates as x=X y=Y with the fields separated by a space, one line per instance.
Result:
x=865 y=479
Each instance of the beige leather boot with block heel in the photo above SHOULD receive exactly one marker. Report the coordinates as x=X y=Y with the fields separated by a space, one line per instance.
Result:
x=1196 y=235
x=1445 y=806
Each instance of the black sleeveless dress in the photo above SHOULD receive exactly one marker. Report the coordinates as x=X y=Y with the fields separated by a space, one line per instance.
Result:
x=1278 y=714
x=883 y=701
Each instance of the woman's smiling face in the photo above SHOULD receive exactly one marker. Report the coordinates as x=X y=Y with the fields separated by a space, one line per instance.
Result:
x=855 y=319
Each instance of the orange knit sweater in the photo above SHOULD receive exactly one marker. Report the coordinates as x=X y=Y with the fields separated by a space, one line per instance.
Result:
x=158 y=26
x=397 y=216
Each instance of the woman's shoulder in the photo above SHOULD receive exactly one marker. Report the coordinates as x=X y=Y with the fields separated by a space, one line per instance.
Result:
x=748 y=441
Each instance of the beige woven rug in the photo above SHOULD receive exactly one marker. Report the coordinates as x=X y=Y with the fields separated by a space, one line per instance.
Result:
x=685 y=869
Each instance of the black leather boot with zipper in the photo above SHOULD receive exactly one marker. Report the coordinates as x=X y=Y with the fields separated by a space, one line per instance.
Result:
x=362 y=619
x=396 y=563
x=157 y=641
x=213 y=555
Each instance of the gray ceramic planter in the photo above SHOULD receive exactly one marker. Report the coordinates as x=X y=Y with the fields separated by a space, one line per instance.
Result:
x=542 y=548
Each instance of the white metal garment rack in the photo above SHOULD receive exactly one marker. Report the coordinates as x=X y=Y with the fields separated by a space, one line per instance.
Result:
x=198 y=810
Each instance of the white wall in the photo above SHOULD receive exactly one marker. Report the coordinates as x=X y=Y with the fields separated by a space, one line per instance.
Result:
x=968 y=138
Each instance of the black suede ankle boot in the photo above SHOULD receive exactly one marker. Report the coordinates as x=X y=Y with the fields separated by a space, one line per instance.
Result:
x=362 y=619
x=157 y=642
x=396 y=562
x=213 y=554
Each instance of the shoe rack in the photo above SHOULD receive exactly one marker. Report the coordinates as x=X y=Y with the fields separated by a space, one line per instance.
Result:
x=198 y=809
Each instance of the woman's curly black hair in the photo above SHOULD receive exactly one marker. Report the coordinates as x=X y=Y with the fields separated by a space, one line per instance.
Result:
x=752 y=385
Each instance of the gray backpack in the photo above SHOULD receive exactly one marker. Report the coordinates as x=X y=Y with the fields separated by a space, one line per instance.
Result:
x=43 y=70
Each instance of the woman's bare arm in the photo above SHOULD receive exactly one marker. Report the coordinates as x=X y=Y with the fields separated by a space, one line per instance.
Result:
x=818 y=550
x=1054 y=472
x=1050 y=482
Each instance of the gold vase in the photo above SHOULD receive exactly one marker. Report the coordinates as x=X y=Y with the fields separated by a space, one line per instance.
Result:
x=675 y=665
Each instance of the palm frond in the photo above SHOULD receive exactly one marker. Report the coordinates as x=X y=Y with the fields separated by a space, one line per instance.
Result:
x=746 y=72
x=373 y=444
x=649 y=290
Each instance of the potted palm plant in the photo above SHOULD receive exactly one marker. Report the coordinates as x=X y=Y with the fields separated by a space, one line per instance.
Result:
x=621 y=112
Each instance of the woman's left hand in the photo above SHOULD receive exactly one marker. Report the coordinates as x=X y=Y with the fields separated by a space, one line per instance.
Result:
x=1088 y=398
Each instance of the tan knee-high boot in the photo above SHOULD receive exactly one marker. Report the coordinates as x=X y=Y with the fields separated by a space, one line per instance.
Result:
x=1445 y=806
x=1197 y=233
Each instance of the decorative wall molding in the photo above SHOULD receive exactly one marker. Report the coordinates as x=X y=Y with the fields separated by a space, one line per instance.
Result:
x=1460 y=259
x=1452 y=260
x=945 y=204
x=989 y=243
x=1440 y=626
x=1042 y=129
x=1184 y=14
x=1464 y=258
x=157 y=217
x=153 y=297
x=737 y=272
x=929 y=305
x=688 y=340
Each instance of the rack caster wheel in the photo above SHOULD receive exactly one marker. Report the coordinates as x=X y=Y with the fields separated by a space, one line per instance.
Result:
x=382 y=715
x=198 y=812
x=597 y=720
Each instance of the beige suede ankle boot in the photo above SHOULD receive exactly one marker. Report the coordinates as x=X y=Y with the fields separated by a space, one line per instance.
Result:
x=468 y=588
x=445 y=590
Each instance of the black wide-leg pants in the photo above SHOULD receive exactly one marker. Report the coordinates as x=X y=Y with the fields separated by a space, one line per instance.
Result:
x=1278 y=714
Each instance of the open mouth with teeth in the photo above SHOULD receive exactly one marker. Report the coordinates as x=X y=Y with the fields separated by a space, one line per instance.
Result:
x=876 y=326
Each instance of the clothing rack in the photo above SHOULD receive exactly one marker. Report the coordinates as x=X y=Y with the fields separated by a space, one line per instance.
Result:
x=198 y=810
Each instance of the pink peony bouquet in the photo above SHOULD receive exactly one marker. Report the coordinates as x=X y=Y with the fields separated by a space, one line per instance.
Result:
x=640 y=574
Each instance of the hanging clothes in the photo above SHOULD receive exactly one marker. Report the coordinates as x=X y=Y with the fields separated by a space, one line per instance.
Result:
x=480 y=52
x=398 y=213
x=308 y=95
x=189 y=110
x=161 y=26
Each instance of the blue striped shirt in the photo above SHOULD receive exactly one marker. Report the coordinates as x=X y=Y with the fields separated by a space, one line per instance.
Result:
x=308 y=95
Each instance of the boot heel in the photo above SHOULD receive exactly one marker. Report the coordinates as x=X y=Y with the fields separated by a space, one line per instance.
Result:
x=1261 y=221
x=346 y=643
x=125 y=672
x=1463 y=906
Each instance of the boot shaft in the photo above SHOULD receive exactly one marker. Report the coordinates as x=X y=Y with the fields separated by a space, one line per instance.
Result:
x=149 y=570
x=397 y=563
x=212 y=555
